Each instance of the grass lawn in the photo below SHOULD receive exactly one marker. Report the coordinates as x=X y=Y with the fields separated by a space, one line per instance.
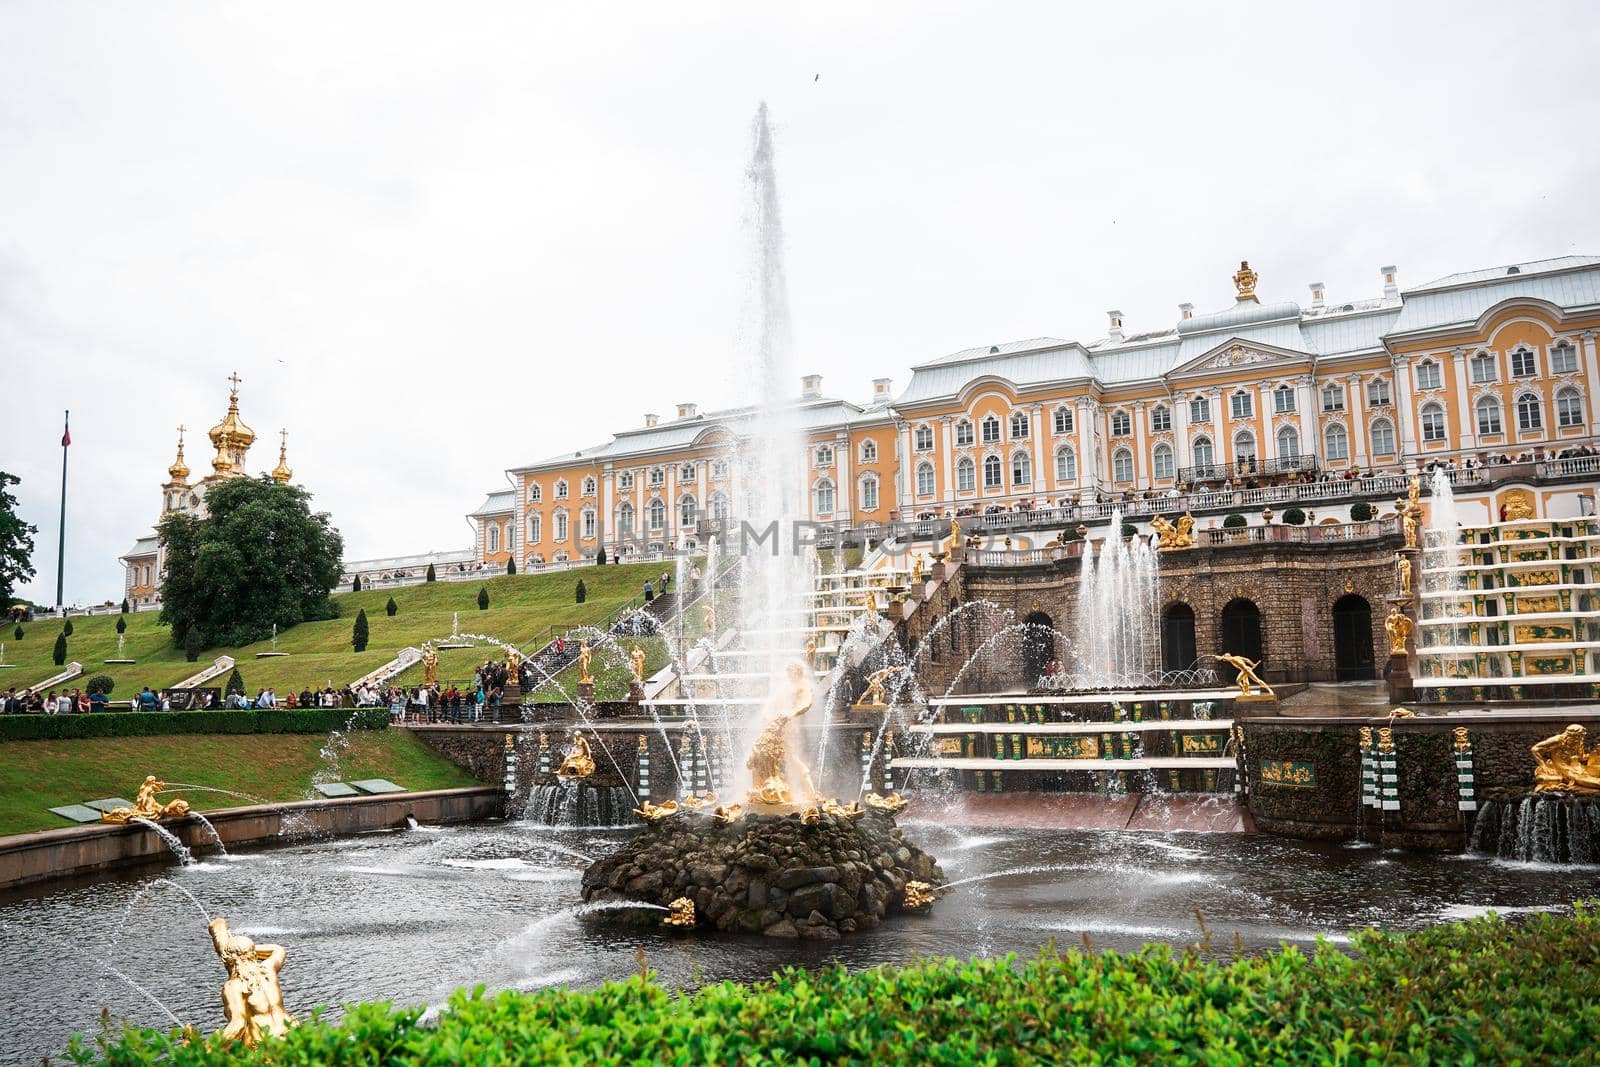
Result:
x=36 y=775
x=520 y=606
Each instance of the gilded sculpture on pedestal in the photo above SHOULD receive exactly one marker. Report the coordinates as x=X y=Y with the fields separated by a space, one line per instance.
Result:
x=1398 y=626
x=585 y=654
x=579 y=762
x=430 y=664
x=774 y=764
x=636 y=663
x=252 y=999
x=1565 y=764
x=1408 y=523
x=954 y=542
x=1249 y=681
x=811 y=651
x=1174 y=536
x=916 y=570
x=711 y=620
x=874 y=699
x=1403 y=566
x=146 y=806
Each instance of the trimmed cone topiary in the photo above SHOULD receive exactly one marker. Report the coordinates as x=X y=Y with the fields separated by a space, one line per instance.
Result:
x=391 y=608
x=358 y=633
x=59 y=653
x=580 y=594
x=192 y=644
x=483 y=598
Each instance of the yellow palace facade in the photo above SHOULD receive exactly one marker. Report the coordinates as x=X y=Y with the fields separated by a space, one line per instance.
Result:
x=1463 y=370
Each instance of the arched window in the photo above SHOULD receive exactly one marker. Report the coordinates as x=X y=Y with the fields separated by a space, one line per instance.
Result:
x=1121 y=424
x=1160 y=418
x=1122 y=465
x=688 y=510
x=869 y=451
x=1335 y=443
x=1062 y=420
x=922 y=438
x=1021 y=469
x=587 y=523
x=656 y=513
x=966 y=475
x=869 y=493
x=588 y=486
x=991 y=430
x=824 y=495
x=494 y=538
x=1488 y=409
x=963 y=433
x=1288 y=443
x=924 y=479
x=561 y=526
x=991 y=472
x=1382 y=435
x=1244 y=447
x=1433 y=422
x=561 y=489
x=535 y=494
x=1204 y=456
x=1283 y=400
x=1161 y=463
x=1019 y=425
x=625 y=520
x=1066 y=464
x=535 y=529
x=1569 y=408
x=1563 y=359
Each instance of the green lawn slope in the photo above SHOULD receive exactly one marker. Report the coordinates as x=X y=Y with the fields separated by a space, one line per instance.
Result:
x=520 y=607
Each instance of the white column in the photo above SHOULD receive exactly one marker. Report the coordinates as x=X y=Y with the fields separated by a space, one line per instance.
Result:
x=1356 y=399
x=1405 y=418
x=608 y=511
x=1465 y=416
x=1036 y=427
x=947 y=434
x=1305 y=390
x=1088 y=470
x=1591 y=374
x=841 y=462
x=906 y=472
x=1265 y=445
x=671 y=496
x=1141 y=462
x=1180 y=432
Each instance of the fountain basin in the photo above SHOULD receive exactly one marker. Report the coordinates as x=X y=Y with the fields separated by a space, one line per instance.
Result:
x=774 y=875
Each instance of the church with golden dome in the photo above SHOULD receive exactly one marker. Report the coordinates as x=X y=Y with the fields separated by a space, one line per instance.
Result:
x=230 y=441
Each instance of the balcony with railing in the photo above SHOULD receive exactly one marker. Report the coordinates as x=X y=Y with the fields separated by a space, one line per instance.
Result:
x=1226 y=537
x=1249 y=467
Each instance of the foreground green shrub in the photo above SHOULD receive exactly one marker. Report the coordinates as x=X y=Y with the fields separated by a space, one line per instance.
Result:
x=100 y=683
x=160 y=723
x=1479 y=992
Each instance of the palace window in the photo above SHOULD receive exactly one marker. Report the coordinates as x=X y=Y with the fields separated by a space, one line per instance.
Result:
x=991 y=472
x=658 y=476
x=1332 y=398
x=1488 y=409
x=925 y=479
x=964 y=433
x=1244 y=447
x=1200 y=410
x=1019 y=425
x=1563 y=359
x=1122 y=465
x=1242 y=405
x=719 y=468
x=1121 y=424
x=1378 y=393
x=1569 y=408
x=1524 y=364
x=1162 y=463
x=869 y=451
x=1021 y=469
x=1427 y=374
x=1530 y=413
x=1432 y=423
x=535 y=528
x=1066 y=465
x=1160 y=418
x=719 y=508
x=824 y=495
x=1382 y=435
x=1288 y=443
x=535 y=494
x=991 y=430
x=824 y=456
x=561 y=526
x=922 y=438
x=494 y=538
x=588 y=486
x=625 y=519
x=656 y=514
x=966 y=475
x=687 y=510
x=561 y=489
x=686 y=473
x=1335 y=443
x=1283 y=400
x=1203 y=454
x=1483 y=368
x=625 y=481
x=588 y=524
x=1062 y=420
x=869 y=493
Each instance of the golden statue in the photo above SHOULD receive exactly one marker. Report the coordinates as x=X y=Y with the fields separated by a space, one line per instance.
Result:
x=579 y=762
x=430 y=664
x=1518 y=505
x=1403 y=565
x=680 y=913
x=1398 y=626
x=916 y=570
x=1245 y=281
x=1564 y=763
x=811 y=651
x=696 y=801
x=514 y=660
x=1174 y=536
x=1249 y=681
x=889 y=805
x=872 y=600
x=874 y=698
x=954 y=542
x=1366 y=738
x=776 y=752
x=841 y=811
x=1408 y=523
x=727 y=813
x=636 y=662
x=1401 y=713
x=656 y=812
x=252 y=999
x=916 y=896
x=146 y=806
x=585 y=654
x=1463 y=742
x=1414 y=492
x=1385 y=739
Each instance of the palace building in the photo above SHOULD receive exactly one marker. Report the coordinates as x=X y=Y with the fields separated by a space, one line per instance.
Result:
x=231 y=439
x=1472 y=369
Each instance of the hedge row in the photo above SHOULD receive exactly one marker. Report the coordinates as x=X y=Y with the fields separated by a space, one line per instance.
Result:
x=153 y=723
x=1477 y=992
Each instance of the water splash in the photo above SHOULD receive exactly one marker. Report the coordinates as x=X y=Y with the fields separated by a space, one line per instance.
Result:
x=211 y=830
x=185 y=857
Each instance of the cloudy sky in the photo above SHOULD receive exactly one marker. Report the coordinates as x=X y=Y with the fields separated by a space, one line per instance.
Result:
x=439 y=240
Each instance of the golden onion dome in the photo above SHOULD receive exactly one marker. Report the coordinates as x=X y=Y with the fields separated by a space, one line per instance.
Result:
x=179 y=471
x=281 y=473
x=231 y=433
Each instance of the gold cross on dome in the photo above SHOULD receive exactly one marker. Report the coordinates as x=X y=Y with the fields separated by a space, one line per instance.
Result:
x=181 y=428
x=235 y=379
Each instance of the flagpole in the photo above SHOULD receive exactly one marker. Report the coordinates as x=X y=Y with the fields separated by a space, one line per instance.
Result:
x=61 y=545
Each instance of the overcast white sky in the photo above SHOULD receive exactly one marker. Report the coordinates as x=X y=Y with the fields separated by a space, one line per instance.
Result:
x=437 y=241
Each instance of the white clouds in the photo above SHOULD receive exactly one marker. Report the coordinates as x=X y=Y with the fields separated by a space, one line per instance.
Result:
x=478 y=235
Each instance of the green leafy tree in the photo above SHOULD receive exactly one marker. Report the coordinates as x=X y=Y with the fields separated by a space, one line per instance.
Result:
x=122 y=625
x=1234 y=521
x=358 y=633
x=600 y=557
x=431 y=576
x=100 y=683
x=235 y=682
x=581 y=593
x=1360 y=511
x=67 y=628
x=511 y=566
x=260 y=558
x=483 y=598
x=59 y=654
x=16 y=542
x=1294 y=517
x=391 y=607
x=192 y=644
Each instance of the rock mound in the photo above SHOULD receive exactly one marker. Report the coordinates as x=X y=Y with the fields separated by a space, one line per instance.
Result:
x=775 y=875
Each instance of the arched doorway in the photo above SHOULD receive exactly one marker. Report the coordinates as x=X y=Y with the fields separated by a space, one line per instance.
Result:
x=1038 y=647
x=1241 y=634
x=1352 y=639
x=1177 y=638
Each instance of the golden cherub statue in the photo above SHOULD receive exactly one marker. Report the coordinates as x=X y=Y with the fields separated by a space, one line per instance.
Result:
x=1403 y=565
x=585 y=654
x=1249 y=681
x=1398 y=626
x=579 y=762
x=636 y=662
x=1564 y=764
x=875 y=698
x=252 y=999
x=1174 y=536
x=775 y=758
x=146 y=806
